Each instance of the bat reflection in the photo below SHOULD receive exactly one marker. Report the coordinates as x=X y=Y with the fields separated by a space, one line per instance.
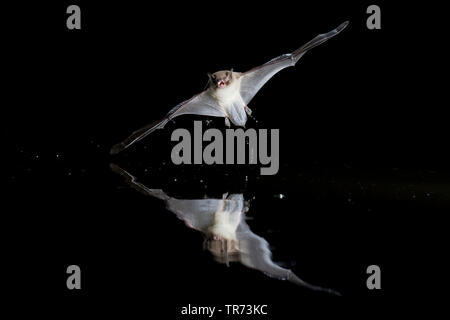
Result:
x=227 y=235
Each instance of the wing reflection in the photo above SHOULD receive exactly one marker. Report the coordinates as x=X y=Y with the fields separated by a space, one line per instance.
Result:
x=227 y=235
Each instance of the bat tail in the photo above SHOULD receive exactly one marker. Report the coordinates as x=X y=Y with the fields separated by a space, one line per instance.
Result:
x=321 y=38
x=138 y=135
x=294 y=279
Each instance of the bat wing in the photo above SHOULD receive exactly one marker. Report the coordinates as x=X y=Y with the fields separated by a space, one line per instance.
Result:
x=197 y=213
x=132 y=181
x=255 y=254
x=253 y=80
x=201 y=104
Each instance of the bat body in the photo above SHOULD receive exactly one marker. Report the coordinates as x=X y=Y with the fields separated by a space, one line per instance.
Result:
x=228 y=236
x=228 y=96
x=229 y=93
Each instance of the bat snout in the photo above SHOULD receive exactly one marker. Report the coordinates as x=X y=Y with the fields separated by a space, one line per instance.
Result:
x=220 y=83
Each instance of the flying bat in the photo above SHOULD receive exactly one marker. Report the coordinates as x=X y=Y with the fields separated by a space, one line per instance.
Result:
x=227 y=235
x=228 y=92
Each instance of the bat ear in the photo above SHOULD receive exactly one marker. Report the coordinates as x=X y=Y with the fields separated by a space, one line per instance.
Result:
x=231 y=69
x=210 y=81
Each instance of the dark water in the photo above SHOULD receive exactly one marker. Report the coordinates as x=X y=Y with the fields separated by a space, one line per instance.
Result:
x=363 y=172
x=325 y=224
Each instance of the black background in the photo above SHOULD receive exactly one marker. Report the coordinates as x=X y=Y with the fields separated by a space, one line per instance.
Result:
x=363 y=154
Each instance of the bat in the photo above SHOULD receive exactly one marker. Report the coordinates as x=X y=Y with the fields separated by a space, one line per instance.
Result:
x=227 y=235
x=228 y=93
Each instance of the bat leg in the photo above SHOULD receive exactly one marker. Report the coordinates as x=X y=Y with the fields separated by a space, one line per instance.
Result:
x=227 y=122
x=248 y=110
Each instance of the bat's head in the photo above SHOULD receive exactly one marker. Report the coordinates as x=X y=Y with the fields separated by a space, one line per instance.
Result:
x=221 y=79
